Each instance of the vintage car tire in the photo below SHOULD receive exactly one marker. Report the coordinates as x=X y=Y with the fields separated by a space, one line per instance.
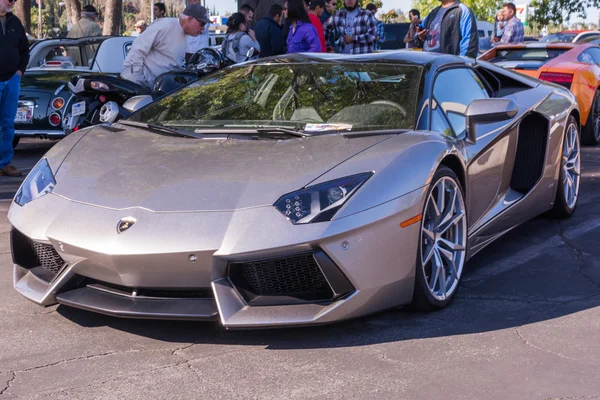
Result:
x=423 y=298
x=564 y=206
x=590 y=134
x=16 y=140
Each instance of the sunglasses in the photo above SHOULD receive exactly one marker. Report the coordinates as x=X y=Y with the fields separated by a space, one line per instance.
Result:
x=12 y=1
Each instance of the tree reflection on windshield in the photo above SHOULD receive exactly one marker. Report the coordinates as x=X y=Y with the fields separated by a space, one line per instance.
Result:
x=304 y=96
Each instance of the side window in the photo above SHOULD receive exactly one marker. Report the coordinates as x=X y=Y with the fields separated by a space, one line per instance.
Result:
x=439 y=122
x=586 y=57
x=453 y=91
x=595 y=55
x=481 y=33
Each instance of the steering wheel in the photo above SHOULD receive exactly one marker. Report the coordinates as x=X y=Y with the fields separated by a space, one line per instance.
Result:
x=391 y=104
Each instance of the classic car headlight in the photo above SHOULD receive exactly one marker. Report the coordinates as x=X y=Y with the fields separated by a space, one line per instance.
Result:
x=39 y=182
x=320 y=202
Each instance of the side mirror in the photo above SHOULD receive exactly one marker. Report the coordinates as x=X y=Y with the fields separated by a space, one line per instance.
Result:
x=137 y=102
x=485 y=111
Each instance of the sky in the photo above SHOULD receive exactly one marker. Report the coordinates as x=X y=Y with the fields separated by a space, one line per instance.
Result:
x=231 y=5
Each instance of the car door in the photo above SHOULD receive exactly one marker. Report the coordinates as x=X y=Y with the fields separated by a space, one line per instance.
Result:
x=454 y=89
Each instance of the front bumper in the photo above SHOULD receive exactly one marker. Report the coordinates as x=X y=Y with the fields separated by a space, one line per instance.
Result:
x=148 y=271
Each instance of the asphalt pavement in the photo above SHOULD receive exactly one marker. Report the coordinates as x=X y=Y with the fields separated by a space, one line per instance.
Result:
x=525 y=325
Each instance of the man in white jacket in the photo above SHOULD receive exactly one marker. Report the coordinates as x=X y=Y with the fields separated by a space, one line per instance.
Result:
x=161 y=48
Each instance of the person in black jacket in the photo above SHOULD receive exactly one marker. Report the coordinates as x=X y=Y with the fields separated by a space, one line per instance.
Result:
x=14 y=48
x=269 y=33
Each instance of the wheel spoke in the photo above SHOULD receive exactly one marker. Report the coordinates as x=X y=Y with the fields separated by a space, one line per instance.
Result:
x=453 y=222
x=449 y=256
x=435 y=274
x=442 y=279
x=428 y=253
x=449 y=211
x=429 y=234
x=449 y=245
x=440 y=202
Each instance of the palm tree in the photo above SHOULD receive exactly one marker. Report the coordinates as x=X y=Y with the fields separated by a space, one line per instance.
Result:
x=112 y=17
x=23 y=11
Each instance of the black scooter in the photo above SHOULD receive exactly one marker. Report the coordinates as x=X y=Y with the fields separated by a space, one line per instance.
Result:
x=99 y=99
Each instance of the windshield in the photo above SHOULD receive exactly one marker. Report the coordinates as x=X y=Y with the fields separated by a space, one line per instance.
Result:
x=558 y=37
x=308 y=97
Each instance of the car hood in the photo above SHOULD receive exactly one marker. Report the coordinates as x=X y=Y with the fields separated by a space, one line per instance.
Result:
x=137 y=168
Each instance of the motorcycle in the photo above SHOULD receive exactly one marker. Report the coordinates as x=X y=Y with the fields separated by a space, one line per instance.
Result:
x=98 y=99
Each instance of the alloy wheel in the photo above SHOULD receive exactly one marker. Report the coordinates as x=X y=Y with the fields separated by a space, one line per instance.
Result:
x=443 y=238
x=571 y=165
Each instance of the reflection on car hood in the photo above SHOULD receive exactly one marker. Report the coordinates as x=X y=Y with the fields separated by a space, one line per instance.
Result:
x=46 y=80
x=136 y=168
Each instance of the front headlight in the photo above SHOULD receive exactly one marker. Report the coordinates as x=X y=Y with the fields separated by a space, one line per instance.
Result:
x=39 y=182
x=320 y=202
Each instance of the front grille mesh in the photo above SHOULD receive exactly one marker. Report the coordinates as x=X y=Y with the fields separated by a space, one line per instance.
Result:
x=48 y=256
x=287 y=276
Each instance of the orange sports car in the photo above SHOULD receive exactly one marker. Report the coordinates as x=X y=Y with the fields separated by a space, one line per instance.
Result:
x=574 y=66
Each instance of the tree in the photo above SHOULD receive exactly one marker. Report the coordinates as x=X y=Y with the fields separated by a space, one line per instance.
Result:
x=485 y=10
x=73 y=10
x=559 y=11
x=23 y=11
x=112 y=17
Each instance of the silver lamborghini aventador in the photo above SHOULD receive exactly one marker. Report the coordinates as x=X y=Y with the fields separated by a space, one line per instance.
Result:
x=296 y=190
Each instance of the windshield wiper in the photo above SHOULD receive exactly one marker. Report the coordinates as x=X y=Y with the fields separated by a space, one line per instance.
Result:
x=266 y=129
x=162 y=129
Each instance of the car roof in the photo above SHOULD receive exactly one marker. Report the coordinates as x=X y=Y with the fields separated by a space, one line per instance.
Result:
x=409 y=57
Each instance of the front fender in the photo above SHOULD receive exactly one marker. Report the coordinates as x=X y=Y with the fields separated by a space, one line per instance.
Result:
x=401 y=164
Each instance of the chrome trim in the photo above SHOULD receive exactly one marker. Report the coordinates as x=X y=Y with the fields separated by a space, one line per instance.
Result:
x=61 y=87
x=24 y=133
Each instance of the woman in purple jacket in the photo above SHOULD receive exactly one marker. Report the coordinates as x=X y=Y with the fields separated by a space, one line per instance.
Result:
x=303 y=36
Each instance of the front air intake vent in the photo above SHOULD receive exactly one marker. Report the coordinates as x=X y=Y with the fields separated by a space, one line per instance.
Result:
x=48 y=257
x=290 y=279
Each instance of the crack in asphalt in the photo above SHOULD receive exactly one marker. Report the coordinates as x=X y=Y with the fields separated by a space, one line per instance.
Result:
x=7 y=386
x=524 y=340
x=67 y=390
x=110 y=353
x=580 y=256
x=187 y=361
x=555 y=305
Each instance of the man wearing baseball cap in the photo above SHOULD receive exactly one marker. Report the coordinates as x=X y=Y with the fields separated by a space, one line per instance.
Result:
x=162 y=46
x=139 y=27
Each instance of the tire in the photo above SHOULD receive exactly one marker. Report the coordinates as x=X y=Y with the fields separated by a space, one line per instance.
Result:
x=16 y=140
x=590 y=134
x=442 y=237
x=567 y=188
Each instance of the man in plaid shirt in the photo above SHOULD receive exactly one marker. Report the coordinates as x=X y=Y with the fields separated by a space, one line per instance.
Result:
x=380 y=30
x=356 y=28
x=513 y=28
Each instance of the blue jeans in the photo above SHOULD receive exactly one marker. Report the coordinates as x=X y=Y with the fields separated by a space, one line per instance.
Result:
x=9 y=100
